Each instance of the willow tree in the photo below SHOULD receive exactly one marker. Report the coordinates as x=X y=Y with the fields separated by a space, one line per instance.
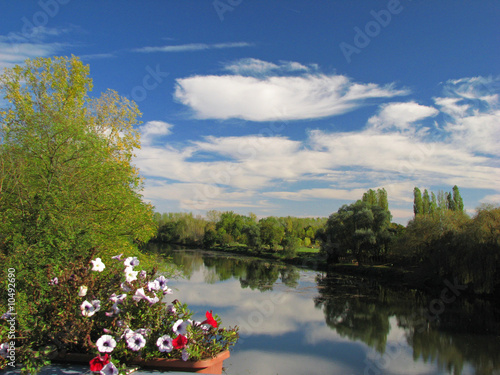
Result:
x=68 y=189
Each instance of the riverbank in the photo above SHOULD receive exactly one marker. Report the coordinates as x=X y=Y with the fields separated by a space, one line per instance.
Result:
x=393 y=275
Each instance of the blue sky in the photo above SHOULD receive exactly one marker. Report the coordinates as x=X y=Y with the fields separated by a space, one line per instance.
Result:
x=289 y=107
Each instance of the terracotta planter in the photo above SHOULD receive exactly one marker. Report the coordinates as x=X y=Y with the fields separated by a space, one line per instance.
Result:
x=204 y=366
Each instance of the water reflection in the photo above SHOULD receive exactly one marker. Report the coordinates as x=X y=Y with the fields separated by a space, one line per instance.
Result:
x=298 y=322
x=452 y=334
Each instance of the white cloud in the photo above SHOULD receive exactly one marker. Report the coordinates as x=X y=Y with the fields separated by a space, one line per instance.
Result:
x=256 y=171
x=478 y=133
x=16 y=53
x=493 y=199
x=401 y=115
x=318 y=193
x=276 y=98
x=192 y=47
x=251 y=66
x=153 y=129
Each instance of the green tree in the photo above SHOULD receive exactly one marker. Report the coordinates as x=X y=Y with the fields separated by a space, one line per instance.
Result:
x=457 y=199
x=417 y=201
x=426 y=203
x=450 y=202
x=382 y=200
x=271 y=232
x=68 y=189
x=370 y=197
x=359 y=228
x=434 y=206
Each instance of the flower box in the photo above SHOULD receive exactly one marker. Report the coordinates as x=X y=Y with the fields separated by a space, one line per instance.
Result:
x=204 y=366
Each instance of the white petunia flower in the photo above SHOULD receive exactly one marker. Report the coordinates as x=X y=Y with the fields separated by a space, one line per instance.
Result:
x=97 y=265
x=153 y=286
x=164 y=344
x=106 y=344
x=136 y=341
x=87 y=309
x=83 y=291
x=130 y=274
x=139 y=294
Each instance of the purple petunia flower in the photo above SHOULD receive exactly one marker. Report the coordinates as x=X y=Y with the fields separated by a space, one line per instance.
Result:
x=180 y=326
x=131 y=262
x=109 y=369
x=162 y=282
x=4 y=350
x=185 y=355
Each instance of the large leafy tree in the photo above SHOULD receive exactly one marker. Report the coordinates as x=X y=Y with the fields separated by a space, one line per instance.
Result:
x=68 y=190
x=360 y=228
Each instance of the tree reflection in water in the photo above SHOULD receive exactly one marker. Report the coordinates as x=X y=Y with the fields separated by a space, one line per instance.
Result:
x=465 y=331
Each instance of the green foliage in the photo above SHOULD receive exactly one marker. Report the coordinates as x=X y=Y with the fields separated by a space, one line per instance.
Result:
x=360 y=228
x=290 y=245
x=271 y=232
x=450 y=244
x=68 y=188
x=418 y=207
x=425 y=204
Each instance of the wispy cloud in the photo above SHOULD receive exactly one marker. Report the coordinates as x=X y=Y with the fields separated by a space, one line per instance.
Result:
x=96 y=56
x=16 y=47
x=192 y=47
x=277 y=97
x=251 y=66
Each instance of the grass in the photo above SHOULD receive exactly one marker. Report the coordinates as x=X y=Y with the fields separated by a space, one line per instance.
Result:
x=308 y=250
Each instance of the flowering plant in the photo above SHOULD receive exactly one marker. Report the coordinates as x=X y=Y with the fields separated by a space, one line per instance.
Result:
x=131 y=318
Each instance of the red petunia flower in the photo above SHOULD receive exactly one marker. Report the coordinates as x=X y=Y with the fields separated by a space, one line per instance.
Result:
x=210 y=320
x=179 y=342
x=97 y=363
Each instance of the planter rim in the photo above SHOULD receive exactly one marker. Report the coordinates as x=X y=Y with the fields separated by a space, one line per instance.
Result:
x=159 y=362
x=179 y=363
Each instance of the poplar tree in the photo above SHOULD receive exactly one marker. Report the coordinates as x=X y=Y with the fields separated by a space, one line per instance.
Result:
x=426 y=203
x=434 y=206
x=417 y=201
x=457 y=199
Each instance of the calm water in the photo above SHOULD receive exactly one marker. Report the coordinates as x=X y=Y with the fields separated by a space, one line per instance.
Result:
x=296 y=321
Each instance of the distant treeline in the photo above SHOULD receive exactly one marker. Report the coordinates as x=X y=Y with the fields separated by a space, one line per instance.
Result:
x=229 y=228
x=440 y=242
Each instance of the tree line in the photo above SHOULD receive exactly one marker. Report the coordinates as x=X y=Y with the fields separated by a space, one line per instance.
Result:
x=441 y=241
x=228 y=228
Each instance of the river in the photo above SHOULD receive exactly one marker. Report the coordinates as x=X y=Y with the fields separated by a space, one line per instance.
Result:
x=298 y=321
